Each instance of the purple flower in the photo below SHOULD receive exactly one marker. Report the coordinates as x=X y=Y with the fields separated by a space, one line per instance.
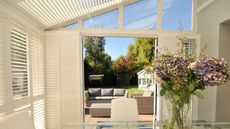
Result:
x=212 y=71
x=166 y=66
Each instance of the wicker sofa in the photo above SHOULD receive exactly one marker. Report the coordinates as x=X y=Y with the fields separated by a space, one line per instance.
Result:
x=103 y=95
x=145 y=103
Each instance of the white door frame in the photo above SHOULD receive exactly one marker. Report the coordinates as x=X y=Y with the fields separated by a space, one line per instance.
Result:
x=111 y=33
x=160 y=35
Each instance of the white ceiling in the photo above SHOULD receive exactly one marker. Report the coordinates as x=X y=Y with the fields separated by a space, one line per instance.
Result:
x=54 y=12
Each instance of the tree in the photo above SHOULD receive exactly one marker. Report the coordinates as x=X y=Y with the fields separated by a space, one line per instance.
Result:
x=123 y=67
x=123 y=64
x=142 y=53
x=142 y=50
x=96 y=56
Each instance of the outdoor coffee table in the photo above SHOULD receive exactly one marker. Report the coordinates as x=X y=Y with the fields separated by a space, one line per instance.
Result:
x=100 y=109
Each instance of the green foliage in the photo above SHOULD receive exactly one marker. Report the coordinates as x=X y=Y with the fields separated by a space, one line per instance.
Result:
x=95 y=57
x=139 y=55
x=97 y=61
x=143 y=51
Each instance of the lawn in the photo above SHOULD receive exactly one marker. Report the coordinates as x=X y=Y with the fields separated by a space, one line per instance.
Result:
x=133 y=89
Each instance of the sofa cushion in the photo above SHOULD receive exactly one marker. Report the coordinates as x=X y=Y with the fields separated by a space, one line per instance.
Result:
x=119 y=92
x=100 y=97
x=94 y=92
x=107 y=92
x=147 y=93
x=106 y=97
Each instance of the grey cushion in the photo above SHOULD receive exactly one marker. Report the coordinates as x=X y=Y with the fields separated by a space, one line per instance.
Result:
x=107 y=92
x=119 y=92
x=94 y=92
x=100 y=97
x=147 y=93
x=106 y=97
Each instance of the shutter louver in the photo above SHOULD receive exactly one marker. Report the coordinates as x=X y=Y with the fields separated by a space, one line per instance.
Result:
x=39 y=114
x=53 y=108
x=36 y=51
x=19 y=63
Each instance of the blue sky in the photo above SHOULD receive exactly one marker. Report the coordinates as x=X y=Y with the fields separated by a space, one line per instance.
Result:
x=141 y=15
x=117 y=46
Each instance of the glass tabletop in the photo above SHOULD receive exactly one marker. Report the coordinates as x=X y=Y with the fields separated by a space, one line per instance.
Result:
x=144 y=125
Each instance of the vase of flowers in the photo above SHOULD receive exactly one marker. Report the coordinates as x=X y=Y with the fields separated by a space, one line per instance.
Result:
x=183 y=75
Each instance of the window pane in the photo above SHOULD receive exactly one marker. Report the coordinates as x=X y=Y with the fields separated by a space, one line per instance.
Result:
x=140 y=15
x=176 y=12
x=72 y=26
x=107 y=20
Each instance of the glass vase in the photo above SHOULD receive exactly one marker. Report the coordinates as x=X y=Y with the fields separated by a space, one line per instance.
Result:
x=177 y=114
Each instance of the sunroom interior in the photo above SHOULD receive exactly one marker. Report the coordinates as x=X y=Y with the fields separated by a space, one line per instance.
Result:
x=41 y=50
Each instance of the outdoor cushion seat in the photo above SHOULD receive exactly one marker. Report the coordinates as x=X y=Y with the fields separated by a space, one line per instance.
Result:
x=117 y=97
x=107 y=92
x=118 y=92
x=94 y=92
x=103 y=95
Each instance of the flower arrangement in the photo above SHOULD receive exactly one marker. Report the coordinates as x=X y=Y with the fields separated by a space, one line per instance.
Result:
x=182 y=75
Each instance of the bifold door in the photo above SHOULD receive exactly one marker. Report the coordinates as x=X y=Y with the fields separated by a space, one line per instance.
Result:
x=63 y=68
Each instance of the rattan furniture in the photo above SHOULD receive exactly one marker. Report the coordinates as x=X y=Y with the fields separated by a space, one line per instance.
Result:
x=100 y=110
x=145 y=103
x=103 y=95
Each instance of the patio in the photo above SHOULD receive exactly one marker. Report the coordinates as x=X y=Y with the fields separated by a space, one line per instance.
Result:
x=89 y=119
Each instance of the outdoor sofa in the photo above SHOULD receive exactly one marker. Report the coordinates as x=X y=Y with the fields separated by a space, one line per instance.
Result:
x=103 y=95
x=145 y=102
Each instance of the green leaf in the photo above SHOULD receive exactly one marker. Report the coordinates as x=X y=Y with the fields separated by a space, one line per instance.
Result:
x=176 y=97
x=191 y=87
x=163 y=91
x=199 y=94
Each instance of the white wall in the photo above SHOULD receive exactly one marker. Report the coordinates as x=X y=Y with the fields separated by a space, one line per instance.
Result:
x=223 y=104
x=208 y=26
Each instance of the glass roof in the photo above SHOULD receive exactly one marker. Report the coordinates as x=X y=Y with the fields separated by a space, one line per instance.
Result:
x=111 y=14
x=53 y=12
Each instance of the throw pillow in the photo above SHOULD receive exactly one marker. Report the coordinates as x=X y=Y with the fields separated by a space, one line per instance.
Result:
x=119 y=92
x=94 y=91
x=107 y=92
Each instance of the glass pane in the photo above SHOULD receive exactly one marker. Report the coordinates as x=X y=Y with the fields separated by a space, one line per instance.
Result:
x=176 y=12
x=107 y=20
x=72 y=26
x=140 y=15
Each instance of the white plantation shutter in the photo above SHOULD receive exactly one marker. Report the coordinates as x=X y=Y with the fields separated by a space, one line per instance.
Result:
x=2 y=71
x=37 y=69
x=19 y=63
x=37 y=79
x=189 y=46
x=39 y=114
x=64 y=99
x=53 y=102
